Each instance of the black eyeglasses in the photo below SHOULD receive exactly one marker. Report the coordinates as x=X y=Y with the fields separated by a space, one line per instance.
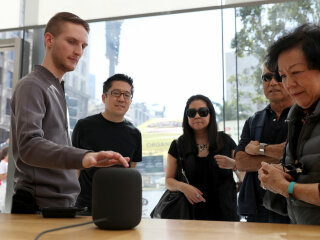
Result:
x=203 y=112
x=116 y=93
x=267 y=77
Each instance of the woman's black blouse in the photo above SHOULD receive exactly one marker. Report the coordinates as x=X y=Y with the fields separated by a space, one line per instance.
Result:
x=217 y=185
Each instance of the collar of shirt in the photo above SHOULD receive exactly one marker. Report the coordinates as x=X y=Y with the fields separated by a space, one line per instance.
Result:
x=284 y=113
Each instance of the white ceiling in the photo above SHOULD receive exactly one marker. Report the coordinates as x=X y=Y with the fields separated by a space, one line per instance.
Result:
x=16 y=14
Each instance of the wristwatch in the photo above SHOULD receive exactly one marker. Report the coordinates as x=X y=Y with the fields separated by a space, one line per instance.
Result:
x=261 y=148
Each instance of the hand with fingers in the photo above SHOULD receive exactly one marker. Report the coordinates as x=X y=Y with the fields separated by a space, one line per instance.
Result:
x=253 y=148
x=225 y=162
x=104 y=159
x=273 y=178
x=193 y=194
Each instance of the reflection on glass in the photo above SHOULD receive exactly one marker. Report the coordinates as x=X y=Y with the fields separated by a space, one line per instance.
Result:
x=6 y=73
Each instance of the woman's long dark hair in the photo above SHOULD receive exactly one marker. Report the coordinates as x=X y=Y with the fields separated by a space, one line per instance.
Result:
x=189 y=138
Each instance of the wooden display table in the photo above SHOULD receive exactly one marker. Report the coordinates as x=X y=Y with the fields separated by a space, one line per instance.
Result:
x=16 y=227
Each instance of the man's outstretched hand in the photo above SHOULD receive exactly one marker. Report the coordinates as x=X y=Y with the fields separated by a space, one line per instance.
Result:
x=104 y=159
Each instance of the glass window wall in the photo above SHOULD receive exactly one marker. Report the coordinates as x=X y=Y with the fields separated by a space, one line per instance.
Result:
x=217 y=53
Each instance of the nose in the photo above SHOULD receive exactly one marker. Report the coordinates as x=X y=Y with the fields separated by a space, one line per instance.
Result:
x=121 y=97
x=78 y=50
x=197 y=115
x=273 y=81
x=289 y=82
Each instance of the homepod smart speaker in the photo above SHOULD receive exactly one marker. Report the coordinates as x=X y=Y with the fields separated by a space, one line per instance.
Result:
x=117 y=198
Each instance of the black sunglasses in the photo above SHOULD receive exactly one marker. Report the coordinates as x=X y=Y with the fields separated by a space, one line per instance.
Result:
x=203 y=112
x=267 y=77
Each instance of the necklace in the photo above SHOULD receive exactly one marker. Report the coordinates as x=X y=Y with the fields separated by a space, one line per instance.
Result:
x=202 y=147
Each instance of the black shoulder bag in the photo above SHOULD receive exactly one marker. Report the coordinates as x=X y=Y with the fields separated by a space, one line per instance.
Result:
x=174 y=204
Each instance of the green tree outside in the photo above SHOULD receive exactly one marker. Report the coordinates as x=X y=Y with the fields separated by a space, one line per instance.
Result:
x=260 y=26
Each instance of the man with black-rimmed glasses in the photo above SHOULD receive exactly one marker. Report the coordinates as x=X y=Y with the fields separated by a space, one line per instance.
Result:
x=262 y=140
x=108 y=130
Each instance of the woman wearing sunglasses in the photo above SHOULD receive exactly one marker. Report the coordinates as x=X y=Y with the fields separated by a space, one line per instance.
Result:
x=211 y=189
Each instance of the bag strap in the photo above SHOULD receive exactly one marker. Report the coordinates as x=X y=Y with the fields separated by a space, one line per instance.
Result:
x=256 y=124
x=180 y=159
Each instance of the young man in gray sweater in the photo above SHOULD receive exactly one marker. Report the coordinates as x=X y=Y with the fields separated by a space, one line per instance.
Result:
x=45 y=161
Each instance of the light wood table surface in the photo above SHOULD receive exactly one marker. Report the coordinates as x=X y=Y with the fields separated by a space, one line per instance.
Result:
x=17 y=226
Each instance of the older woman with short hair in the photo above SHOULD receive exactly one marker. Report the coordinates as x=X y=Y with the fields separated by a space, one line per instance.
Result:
x=295 y=56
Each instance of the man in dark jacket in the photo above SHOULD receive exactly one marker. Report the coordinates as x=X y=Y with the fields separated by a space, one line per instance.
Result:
x=262 y=140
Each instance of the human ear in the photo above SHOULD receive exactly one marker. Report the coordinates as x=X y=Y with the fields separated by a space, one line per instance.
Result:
x=48 y=39
x=103 y=97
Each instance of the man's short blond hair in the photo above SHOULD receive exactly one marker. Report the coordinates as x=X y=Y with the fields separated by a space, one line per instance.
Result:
x=54 y=26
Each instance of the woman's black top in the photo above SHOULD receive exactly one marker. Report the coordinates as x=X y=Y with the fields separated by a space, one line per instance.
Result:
x=217 y=185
